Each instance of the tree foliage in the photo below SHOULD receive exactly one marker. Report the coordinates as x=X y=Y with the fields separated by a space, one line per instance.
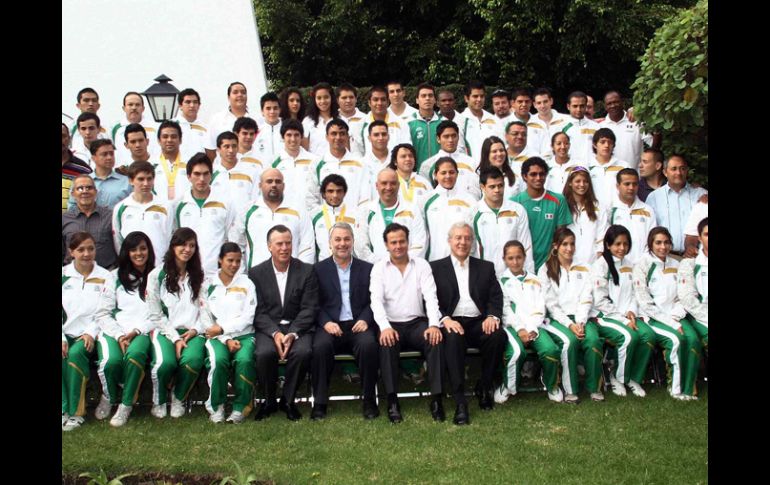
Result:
x=671 y=89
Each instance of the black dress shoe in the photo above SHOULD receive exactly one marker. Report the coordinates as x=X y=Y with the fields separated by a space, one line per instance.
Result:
x=437 y=410
x=265 y=410
x=318 y=413
x=394 y=412
x=486 y=401
x=371 y=411
x=461 y=414
x=293 y=413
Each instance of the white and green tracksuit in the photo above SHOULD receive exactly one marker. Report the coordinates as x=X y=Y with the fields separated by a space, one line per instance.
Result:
x=655 y=283
x=351 y=168
x=415 y=189
x=517 y=162
x=639 y=219
x=398 y=131
x=210 y=218
x=241 y=182
x=174 y=314
x=604 y=179
x=269 y=141
x=323 y=218
x=171 y=177
x=467 y=178
x=296 y=174
x=495 y=227
x=589 y=235
x=374 y=218
x=569 y=302
x=559 y=173
x=79 y=302
x=475 y=131
x=581 y=137
x=693 y=292
x=442 y=209
x=524 y=309
x=423 y=136
x=253 y=222
x=231 y=307
x=121 y=313
x=611 y=304
x=116 y=134
x=154 y=218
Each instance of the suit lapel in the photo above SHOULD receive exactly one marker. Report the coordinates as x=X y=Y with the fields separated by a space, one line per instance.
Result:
x=271 y=281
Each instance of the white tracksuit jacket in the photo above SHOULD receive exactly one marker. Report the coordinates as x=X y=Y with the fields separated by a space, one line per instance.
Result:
x=442 y=209
x=351 y=168
x=154 y=218
x=370 y=225
x=296 y=174
x=572 y=296
x=494 y=230
x=171 y=312
x=121 y=312
x=523 y=302
x=656 y=292
x=589 y=235
x=323 y=218
x=639 y=219
x=80 y=300
x=614 y=301
x=693 y=287
x=232 y=306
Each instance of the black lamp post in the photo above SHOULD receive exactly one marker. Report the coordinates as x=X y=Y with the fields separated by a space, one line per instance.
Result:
x=161 y=97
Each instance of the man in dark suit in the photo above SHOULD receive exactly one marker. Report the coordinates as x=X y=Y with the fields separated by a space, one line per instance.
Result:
x=471 y=305
x=287 y=302
x=345 y=321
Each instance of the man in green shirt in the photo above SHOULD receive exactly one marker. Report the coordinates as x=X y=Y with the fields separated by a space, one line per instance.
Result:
x=423 y=124
x=546 y=210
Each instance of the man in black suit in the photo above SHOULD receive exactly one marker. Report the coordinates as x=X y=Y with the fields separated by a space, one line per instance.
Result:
x=345 y=321
x=287 y=302
x=471 y=305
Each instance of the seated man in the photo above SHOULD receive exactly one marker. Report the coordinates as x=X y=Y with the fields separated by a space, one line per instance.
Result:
x=287 y=302
x=399 y=284
x=345 y=322
x=471 y=305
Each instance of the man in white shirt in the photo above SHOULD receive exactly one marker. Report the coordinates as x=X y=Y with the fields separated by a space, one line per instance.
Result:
x=88 y=125
x=194 y=131
x=446 y=108
x=501 y=105
x=378 y=104
x=398 y=107
x=627 y=210
x=674 y=201
x=521 y=107
x=579 y=128
x=347 y=95
x=224 y=120
x=331 y=211
x=294 y=162
x=547 y=120
x=447 y=135
x=88 y=102
x=399 y=286
x=477 y=124
x=630 y=137
x=269 y=142
x=171 y=162
x=604 y=166
x=379 y=156
x=238 y=177
x=133 y=107
x=519 y=151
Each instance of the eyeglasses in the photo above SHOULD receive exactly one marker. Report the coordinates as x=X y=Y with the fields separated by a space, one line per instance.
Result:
x=85 y=188
x=537 y=174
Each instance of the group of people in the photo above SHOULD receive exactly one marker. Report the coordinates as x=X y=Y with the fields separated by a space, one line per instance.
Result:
x=401 y=229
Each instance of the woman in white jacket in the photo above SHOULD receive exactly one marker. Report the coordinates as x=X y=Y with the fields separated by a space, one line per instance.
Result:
x=524 y=318
x=655 y=282
x=230 y=301
x=567 y=289
x=82 y=284
x=693 y=287
x=175 y=298
x=615 y=312
x=589 y=218
x=124 y=318
x=494 y=154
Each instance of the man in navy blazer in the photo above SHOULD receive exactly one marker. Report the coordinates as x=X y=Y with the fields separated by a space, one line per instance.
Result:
x=345 y=321
x=471 y=305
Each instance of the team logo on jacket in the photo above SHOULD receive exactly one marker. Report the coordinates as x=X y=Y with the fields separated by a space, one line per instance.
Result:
x=420 y=135
x=548 y=217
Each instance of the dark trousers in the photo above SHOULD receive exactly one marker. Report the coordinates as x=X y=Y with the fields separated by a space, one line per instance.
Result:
x=362 y=345
x=410 y=337
x=492 y=347
x=297 y=362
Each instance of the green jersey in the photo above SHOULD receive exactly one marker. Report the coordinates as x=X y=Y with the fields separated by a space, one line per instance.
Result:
x=545 y=215
x=423 y=135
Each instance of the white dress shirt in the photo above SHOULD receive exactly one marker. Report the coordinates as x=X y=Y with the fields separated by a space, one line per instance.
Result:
x=281 y=278
x=399 y=297
x=465 y=305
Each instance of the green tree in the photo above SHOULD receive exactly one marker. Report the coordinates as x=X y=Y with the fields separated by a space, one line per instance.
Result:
x=671 y=89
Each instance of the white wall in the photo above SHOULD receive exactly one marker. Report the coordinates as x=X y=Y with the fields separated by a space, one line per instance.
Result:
x=116 y=46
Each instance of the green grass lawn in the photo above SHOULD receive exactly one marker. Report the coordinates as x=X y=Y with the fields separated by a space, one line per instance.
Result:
x=528 y=440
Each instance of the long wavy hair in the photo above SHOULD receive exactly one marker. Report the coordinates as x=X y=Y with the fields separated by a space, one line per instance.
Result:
x=194 y=267
x=129 y=276
x=312 y=109
x=553 y=268
x=590 y=202
x=283 y=101
x=485 y=164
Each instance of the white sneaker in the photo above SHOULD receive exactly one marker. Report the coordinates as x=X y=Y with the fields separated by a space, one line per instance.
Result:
x=73 y=422
x=64 y=418
x=236 y=417
x=693 y=398
x=177 y=407
x=636 y=389
x=617 y=387
x=556 y=396
x=501 y=394
x=121 y=416
x=160 y=411
x=218 y=416
x=597 y=396
x=103 y=409
x=571 y=399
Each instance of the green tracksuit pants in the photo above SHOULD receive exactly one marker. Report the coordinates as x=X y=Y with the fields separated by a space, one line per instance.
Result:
x=74 y=378
x=116 y=368
x=682 y=353
x=164 y=366
x=515 y=353
x=633 y=347
x=220 y=363
x=571 y=350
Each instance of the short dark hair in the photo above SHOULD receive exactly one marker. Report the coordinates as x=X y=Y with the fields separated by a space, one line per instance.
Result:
x=170 y=124
x=528 y=163
x=268 y=96
x=132 y=93
x=626 y=171
x=187 y=92
x=375 y=89
x=667 y=160
x=137 y=167
x=79 y=238
x=230 y=87
x=346 y=87
x=376 y=123
x=338 y=123
x=603 y=133
x=521 y=92
x=334 y=179
x=199 y=159
x=657 y=155
x=490 y=173
x=394 y=153
x=514 y=123
x=473 y=84
x=501 y=93
x=425 y=85
x=702 y=225
x=87 y=90
x=245 y=123
x=394 y=227
x=225 y=135
x=134 y=128
x=97 y=144
x=87 y=117
x=446 y=124
x=443 y=160
x=280 y=228
x=291 y=124
x=576 y=94
x=542 y=92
